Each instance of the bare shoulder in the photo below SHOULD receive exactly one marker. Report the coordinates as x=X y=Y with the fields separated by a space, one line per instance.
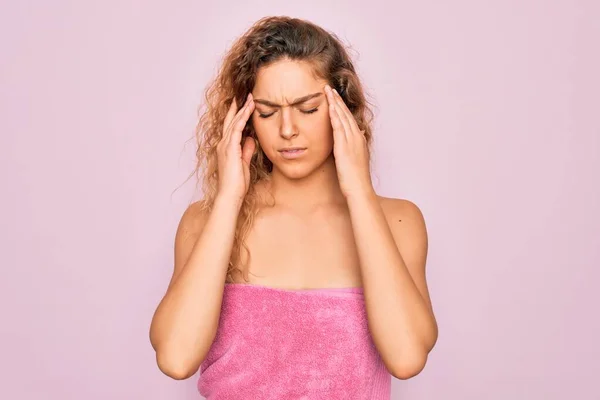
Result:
x=401 y=210
x=190 y=227
x=193 y=219
x=407 y=224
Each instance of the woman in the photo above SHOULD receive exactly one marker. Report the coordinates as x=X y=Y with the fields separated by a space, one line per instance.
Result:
x=292 y=278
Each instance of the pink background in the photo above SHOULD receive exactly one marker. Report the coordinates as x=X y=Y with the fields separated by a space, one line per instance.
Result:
x=488 y=119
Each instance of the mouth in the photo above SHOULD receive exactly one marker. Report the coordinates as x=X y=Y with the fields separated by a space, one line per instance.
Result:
x=292 y=152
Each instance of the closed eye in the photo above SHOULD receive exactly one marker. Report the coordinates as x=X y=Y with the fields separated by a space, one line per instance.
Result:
x=302 y=111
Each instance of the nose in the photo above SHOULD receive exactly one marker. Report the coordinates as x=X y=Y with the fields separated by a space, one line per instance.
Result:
x=288 y=128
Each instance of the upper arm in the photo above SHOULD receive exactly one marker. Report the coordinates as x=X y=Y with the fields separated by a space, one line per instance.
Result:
x=189 y=229
x=408 y=227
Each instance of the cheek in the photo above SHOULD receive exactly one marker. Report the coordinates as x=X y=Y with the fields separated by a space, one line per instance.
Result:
x=266 y=133
x=321 y=132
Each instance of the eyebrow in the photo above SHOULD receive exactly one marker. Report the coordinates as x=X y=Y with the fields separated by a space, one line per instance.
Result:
x=297 y=101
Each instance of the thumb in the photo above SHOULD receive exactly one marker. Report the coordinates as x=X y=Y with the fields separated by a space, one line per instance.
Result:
x=248 y=149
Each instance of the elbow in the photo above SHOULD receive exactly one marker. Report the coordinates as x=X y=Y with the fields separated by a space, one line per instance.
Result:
x=409 y=367
x=175 y=366
x=175 y=357
x=179 y=359
x=411 y=362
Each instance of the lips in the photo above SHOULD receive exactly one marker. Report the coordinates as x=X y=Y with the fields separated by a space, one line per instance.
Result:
x=292 y=152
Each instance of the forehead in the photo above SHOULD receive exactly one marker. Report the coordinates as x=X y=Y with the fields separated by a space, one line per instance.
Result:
x=286 y=80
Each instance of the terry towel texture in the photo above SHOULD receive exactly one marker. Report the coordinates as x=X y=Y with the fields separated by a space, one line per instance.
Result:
x=293 y=344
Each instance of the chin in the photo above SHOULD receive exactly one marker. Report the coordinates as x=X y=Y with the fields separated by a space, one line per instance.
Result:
x=297 y=171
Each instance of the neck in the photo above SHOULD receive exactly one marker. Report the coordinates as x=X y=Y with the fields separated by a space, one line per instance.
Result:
x=320 y=188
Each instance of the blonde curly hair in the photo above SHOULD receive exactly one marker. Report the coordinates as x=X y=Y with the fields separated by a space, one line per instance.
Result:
x=269 y=40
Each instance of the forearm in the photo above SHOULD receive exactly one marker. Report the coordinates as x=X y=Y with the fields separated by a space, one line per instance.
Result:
x=186 y=321
x=400 y=319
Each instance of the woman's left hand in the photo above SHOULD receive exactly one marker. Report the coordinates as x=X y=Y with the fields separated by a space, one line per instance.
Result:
x=350 y=148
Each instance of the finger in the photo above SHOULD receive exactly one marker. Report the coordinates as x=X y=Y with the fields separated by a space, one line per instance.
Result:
x=346 y=114
x=336 y=123
x=238 y=126
x=340 y=115
x=229 y=117
x=235 y=119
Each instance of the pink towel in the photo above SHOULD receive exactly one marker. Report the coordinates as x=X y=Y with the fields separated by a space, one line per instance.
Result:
x=293 y=344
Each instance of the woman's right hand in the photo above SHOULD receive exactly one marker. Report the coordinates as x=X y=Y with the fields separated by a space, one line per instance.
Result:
x=233 y=157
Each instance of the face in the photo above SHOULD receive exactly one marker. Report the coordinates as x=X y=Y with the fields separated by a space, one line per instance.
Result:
x=292 y=112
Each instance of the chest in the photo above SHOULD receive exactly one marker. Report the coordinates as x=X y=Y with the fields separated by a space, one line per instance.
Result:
x=290 y=250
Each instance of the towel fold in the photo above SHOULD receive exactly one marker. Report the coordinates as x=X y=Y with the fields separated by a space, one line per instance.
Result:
x=293 y=344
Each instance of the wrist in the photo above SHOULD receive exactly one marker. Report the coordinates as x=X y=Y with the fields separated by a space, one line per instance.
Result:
x=229 y=201
x=361 y=196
